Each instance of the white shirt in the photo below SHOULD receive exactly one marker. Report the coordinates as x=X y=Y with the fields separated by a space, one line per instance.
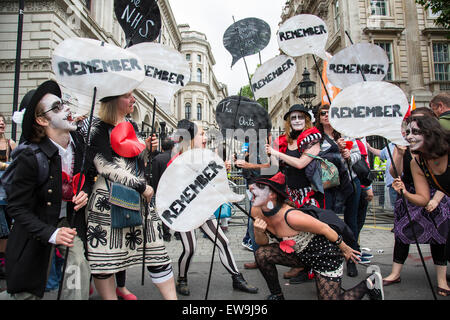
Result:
x=66 y=166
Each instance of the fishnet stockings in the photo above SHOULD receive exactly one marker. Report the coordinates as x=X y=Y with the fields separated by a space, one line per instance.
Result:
x=268 y=256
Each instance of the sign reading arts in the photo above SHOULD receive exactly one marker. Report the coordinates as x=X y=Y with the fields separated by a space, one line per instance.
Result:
x=192 y=188
x=80 y=64
x=370 y=108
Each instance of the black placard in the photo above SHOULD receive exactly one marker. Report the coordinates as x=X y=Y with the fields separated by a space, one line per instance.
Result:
x=139 y=19
x=246 y=37
x=250 y=114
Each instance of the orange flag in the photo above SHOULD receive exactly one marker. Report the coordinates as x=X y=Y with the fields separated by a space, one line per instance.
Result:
x=332 y=90
x=413 y=103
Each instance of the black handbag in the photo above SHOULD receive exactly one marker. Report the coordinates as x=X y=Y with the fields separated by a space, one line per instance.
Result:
x=363 y=172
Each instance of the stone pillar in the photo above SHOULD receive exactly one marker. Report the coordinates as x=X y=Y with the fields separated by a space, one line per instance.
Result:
x=415 y=65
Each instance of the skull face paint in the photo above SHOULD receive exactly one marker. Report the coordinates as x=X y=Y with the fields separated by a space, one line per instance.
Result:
x=260 y=195
x=60 y=116
x=297 y=120
x=414 y=136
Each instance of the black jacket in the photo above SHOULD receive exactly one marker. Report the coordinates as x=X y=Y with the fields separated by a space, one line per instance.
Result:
x=35 y=210
x=159 y=165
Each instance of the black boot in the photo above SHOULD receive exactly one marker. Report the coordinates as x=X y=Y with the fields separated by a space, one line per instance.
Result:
x=239 y=283
x=182 y=286
x=275 y=297
x=2 y=272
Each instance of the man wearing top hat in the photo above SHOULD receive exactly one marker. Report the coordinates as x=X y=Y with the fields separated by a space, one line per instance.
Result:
x=41 y=211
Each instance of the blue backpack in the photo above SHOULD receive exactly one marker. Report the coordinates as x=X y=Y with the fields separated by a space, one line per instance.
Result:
x=6 y=177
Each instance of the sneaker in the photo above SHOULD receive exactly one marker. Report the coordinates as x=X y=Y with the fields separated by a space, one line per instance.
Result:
x=248 y=245
x=375 y=285
x=363 y=260
x=182 y=286
x=366 y=255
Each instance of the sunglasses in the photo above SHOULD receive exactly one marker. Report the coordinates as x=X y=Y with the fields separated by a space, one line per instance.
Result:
x=57 y=105
x=323 y=113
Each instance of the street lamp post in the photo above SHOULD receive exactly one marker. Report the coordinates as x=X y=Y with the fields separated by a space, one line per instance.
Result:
x=307 y=89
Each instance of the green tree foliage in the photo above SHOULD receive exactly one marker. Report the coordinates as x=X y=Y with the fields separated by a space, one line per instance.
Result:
x=438 y=6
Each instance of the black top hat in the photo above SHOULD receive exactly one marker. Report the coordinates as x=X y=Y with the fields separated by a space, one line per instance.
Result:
x=49 y=86
x=277 y=183
x=26 y=99
x=297 y=107
x=185 y=124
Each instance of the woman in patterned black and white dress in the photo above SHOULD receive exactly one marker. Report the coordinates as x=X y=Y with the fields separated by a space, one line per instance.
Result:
x=111 y=250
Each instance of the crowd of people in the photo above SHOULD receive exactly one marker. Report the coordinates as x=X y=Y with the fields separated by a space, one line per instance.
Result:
x=71 y=202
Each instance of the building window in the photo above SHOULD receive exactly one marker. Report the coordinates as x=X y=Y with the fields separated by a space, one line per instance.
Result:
x=199 y=75
x=199 y=58
x=387 y=46
x=187 y=111
x=188 y=56
x=432 y=15
x=199 y=111
x=379 y=7
x=337 y=16
x=441 y=61
x=88 y=4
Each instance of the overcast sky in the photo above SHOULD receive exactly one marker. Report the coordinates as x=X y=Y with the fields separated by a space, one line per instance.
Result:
x=213 y=17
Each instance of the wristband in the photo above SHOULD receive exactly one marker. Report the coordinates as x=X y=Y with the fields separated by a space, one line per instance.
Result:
x=338 y=241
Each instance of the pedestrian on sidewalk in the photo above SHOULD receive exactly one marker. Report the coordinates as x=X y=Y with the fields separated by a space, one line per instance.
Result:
x=289 y=237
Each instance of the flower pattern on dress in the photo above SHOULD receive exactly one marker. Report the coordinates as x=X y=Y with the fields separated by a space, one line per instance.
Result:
x=96 y=235
x=102 y=204
x=133 y=238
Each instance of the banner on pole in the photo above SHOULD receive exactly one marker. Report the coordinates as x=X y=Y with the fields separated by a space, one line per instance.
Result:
x=273 y=76
x=201 y=187
x=80 y=64
x=370 y=108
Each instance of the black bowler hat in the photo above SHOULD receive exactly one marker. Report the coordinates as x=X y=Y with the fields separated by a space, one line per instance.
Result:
x=49 y=86
x=297 y=107
x=277 y=183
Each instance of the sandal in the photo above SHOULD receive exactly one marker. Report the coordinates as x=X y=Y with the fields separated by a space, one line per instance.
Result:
x=443 y=292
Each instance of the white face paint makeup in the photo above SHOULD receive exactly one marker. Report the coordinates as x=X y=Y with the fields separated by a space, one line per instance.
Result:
x=260 y=195
x=200 y=138
x=414 y=136
x=59 y=119
x=297 y=120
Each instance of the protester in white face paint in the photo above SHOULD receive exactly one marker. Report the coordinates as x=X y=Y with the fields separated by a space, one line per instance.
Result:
x=290 y=237
x=191 y=136
x=291 y=148
x=42 y=211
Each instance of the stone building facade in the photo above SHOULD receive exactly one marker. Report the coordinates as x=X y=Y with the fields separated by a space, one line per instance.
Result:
x=417 y=49
x=48 y=22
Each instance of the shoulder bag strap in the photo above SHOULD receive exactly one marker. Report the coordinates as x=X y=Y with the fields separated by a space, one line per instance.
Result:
x=285 y=218
x=433 y=177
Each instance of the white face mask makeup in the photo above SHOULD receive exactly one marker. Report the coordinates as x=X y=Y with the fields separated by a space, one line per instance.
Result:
x=59 y=119
x=414 y=136
x=297 y=120
x=260 y=195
